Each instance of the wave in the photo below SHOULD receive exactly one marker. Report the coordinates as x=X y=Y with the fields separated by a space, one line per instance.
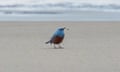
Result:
x=54 y=8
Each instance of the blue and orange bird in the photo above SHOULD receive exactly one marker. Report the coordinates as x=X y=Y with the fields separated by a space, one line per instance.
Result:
x=57 y=37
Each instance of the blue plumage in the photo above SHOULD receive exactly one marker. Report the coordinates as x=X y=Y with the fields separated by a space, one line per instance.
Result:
x=59 y=32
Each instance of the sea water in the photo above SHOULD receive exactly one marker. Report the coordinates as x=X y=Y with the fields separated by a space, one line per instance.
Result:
x=36 y=10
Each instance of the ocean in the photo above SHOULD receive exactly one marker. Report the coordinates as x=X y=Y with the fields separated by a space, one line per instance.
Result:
x=59 y=11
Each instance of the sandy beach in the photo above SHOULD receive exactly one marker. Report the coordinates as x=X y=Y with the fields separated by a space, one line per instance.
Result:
x=88 y=47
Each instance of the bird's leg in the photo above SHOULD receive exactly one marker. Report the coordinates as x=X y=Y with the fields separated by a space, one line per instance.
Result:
x=55 y=46
x=60 y=46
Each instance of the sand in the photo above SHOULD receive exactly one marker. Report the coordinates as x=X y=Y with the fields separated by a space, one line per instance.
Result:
x=88 y=47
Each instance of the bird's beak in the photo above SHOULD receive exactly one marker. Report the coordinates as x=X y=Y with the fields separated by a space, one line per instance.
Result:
x=66 y=28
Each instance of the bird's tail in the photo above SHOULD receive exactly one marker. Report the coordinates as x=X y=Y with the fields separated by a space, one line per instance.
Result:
x=47 y=42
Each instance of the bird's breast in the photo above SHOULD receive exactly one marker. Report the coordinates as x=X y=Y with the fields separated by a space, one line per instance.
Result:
x=58 y=39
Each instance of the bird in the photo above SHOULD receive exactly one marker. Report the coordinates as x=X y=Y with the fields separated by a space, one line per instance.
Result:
x=57 y=37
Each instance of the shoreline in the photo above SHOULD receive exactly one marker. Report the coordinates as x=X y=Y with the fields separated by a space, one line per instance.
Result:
x=64 y=16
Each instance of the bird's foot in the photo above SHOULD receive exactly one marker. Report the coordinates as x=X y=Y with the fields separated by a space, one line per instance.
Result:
x=60 y=46
x=57 y=47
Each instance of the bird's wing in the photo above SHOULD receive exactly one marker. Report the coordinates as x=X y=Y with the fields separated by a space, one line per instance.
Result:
x=52 y=38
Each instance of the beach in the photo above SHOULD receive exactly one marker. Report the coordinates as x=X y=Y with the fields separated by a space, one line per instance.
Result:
x=88 y=47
